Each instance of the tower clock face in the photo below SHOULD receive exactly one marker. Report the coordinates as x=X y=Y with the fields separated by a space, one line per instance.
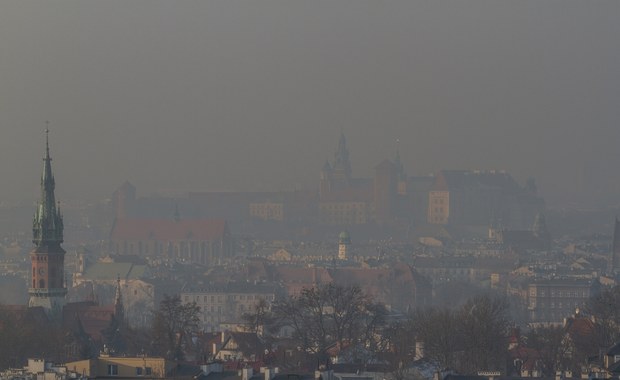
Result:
x=41 y=271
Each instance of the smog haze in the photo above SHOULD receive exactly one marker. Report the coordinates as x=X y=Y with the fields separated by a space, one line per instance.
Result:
x=181 y=96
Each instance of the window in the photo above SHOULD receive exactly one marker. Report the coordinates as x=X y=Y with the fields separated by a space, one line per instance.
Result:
x=112 y=370
x=139 y=371
x=148 y=371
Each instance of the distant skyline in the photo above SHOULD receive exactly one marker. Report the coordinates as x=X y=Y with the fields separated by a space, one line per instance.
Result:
x=253 y=95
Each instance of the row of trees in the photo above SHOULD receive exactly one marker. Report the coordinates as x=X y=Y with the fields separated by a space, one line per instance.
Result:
x=466 y=338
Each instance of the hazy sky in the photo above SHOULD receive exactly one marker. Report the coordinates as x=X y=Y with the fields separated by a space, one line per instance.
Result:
x=232 y=95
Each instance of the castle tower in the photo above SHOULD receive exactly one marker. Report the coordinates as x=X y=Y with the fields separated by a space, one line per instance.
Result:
x=47 y=258
x=326 y=177
x=615 y=249
x=341 y=169
x=123 y=199
x=344 y=243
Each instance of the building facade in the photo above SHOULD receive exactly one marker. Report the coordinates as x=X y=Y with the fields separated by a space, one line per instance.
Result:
x=228 y=303
x=550 y=301
x=199 y=241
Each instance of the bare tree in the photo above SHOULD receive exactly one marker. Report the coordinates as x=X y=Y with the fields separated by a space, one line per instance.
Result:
x=438 y=329
x=605 y=307
x=173 y=323
x=261 y=320
x=322 y=316
x=550 y=343
x=484 y=326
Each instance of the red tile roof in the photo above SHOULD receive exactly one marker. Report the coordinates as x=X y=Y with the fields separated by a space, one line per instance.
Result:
x=165 y=229
x=93 y=318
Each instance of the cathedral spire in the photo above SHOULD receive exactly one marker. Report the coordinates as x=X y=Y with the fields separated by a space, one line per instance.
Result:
x=342 y=165
x=47 y=227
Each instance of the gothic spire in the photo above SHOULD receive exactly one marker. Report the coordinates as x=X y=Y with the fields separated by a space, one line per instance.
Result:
x=341 y=158
x=47 y=227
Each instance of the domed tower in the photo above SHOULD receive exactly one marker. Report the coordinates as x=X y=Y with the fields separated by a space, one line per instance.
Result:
x=47 y=258
x=344 y=243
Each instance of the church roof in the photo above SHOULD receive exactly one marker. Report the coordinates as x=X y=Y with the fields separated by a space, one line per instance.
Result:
x=169 y=230
x=92 y=317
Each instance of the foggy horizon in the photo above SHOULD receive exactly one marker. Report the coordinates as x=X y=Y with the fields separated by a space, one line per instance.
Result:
x=234 y=96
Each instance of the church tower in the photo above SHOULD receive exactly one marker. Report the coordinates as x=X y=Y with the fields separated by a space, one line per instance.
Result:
x=341 y=170
x=47 y=258
x=344 y=244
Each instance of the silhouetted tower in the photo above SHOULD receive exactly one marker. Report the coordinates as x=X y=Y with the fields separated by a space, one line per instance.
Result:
x=123 y=199
x=615 y=249
x=341 y=169
x=47 y=258
x=344 y=243
x=326 y=178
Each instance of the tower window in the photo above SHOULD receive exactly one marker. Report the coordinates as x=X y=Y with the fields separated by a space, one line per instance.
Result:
x=41 y=283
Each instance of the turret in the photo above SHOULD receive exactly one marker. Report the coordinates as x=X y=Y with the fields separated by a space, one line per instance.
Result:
x=342 y=165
